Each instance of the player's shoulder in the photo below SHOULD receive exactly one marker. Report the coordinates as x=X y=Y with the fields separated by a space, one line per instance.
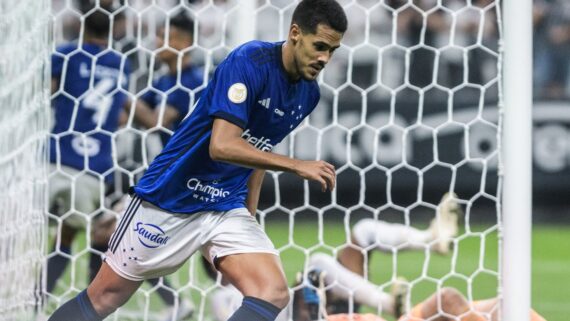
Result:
x=66 y=48
x=256 y=52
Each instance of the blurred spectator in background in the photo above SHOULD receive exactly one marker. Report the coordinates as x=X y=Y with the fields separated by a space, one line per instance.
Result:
x=552 y=21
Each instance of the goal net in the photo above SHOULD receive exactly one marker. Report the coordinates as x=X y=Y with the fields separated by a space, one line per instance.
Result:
x=24 y=103
x=409 y=113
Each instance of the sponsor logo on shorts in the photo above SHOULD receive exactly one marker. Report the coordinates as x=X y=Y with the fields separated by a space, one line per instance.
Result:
x=150 y=235
x=209 y=193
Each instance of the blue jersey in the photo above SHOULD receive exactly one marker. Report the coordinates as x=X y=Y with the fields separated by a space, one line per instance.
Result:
x=87 y=111
x=162 y=92
x=249 y=88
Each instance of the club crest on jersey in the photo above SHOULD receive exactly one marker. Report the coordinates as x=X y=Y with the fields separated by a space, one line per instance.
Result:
x=208 y=193
x=237 y=93
x=150 y=235
x=262 y=143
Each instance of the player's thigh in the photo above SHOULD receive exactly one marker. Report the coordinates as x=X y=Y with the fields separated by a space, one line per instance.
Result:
x=88 y=192
x=74 y=193
x=255 y=274
x=241 y=250
x=150 y=242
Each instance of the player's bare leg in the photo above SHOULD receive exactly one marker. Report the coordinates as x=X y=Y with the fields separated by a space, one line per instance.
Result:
x=352 y=257
x=109 y=291
x=260 y=278
x=103 y=296
x=257 y=274
x=449 y=304
x=363 y=292
x=57 y=263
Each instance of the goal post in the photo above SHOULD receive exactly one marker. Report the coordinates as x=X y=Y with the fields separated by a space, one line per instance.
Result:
x=24 y=105
x=517 y=160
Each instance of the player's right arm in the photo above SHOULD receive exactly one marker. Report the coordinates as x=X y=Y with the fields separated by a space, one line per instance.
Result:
x=227 y=145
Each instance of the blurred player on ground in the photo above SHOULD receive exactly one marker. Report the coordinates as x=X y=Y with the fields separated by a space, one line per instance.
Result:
x=324 y=271
x=370 y=234
x=200 y=193
x=448 y=304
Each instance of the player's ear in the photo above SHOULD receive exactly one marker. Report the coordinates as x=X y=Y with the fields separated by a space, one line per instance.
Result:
x=294 y=33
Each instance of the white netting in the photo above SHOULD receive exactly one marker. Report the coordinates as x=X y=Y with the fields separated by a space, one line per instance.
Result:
x=24 y=103
x=408 y=113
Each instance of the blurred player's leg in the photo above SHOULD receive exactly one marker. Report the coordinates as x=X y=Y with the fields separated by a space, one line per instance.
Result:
x=370 y=234
x=449 y=304
x=57 y=264
x=445 y=226
x=86 y=201
x=364 y=292
x=260 y=278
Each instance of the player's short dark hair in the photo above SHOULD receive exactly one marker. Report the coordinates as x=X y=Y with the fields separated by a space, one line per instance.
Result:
x=183 y=23
x=98 y=24
x=310 y=13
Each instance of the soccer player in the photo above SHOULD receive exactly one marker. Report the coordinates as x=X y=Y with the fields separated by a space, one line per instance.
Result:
x=171 y=95
x=201 y=191
x=370 y=234
x=448 y=304
x=89 y=83
x=79 y=152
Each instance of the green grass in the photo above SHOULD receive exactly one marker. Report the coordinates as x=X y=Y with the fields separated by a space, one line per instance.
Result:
x=470 y=268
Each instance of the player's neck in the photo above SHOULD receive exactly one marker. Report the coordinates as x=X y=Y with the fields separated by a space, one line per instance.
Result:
x=94 y=40
x=288 y=62
x=173 y=65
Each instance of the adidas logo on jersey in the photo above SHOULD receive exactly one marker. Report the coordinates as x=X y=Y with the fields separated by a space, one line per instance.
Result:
x=264 y=102
x=263 y=144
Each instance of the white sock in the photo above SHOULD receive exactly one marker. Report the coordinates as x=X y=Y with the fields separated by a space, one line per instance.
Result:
x=344 y=281
x=385 y=236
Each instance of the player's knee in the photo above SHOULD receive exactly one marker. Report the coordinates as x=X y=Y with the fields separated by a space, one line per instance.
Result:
x=280 y=296
x=450 y=297
x=107 y=300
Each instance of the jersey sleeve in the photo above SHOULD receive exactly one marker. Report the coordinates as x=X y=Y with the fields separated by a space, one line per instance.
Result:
x=236 y=86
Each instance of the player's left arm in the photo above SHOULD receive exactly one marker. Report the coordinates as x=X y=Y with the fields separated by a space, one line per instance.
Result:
x=254 y=188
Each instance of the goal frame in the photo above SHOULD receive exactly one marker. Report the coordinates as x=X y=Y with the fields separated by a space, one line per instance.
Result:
x=517 y=160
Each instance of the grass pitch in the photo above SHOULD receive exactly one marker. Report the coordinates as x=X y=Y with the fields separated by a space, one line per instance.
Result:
x=472 y=269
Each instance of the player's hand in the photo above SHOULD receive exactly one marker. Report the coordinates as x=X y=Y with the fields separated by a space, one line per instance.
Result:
x=319 y=171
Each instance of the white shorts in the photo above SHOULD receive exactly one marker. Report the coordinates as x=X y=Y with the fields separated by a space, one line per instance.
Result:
x=75 y=193
x=150 y=242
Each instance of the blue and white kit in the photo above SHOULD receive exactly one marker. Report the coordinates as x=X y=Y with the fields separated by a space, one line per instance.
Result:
x=95 y=81
x=250 y=89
